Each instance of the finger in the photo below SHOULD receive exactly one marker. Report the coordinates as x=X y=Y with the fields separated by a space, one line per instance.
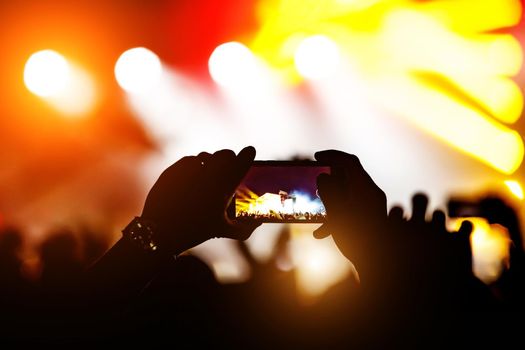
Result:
x=419 y=207
x=329 y=190
x=244 y=162
x=220 y=166
x=465 y=229
x=350 y=164
x=335 y=157
x=322 y=232
x=203 y=157
x=239 y=230
x=231 y=168
x=179 y=172
x=167 y=185
x=246 y=156
x=396 y=213
x=439 y=220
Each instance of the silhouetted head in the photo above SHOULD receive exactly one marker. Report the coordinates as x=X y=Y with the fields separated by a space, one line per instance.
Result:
x=10 y=241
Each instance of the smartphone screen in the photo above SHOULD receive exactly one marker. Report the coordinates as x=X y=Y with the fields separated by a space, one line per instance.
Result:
x=281 y=191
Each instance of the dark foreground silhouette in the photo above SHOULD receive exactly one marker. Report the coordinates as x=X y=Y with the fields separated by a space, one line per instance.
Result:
x=416 y=288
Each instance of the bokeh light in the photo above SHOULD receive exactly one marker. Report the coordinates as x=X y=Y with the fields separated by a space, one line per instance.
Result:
x=138 y=70
x=318 y=263
x=62 y=84
x=317 y=57
x=46 y=73
x=490 y=248
x=232 y=64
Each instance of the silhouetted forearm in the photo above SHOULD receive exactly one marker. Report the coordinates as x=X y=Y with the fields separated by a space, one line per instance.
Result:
x=121 y=274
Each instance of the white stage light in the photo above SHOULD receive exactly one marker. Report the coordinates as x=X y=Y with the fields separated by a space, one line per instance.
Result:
x=137 y=70
x=232 y=64
x=46 y=73
x=317 y=57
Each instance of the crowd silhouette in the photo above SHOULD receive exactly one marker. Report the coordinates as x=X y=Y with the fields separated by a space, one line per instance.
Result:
x=415 y=286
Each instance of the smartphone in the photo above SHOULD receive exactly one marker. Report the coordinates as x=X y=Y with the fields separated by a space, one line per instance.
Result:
x=280 y=192
x=460 y=207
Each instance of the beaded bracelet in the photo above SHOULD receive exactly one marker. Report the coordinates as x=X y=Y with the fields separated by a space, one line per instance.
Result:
x=141 y=232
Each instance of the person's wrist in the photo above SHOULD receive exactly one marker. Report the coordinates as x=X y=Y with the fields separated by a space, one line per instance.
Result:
x=167 y=237
x=143 y=234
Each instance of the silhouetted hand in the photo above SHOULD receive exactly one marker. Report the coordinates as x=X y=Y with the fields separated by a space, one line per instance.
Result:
x=189 y=200
x=444 y=255
x=405 y=265
x=356 y=208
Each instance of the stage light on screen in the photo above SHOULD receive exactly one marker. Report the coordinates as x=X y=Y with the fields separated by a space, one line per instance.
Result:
x=317 y=57
x=515 y=188
x=232 y=64
x=138 y=70
x=46 y=73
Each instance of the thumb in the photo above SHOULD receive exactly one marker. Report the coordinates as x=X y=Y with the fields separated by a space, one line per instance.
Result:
x=240 y=230
x=322 y=232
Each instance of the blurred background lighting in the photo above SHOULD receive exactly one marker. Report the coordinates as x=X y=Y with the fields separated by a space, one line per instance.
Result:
x=317 y=57
x=490 y=248
x=46 y=73
x=62 y=84
x=138 y=70
x=413 y=87
x=232 y=64
x=319 y=264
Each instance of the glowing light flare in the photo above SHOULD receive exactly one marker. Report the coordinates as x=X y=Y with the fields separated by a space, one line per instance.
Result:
x=46 y=73
x=464 y=128
x=138 y=70
x=318 y=263
x=63 y=84
x=317 y=57
x=515 y=188
x=398 y=38
x=490 y=248
x=479 y=65
x=448 y=52
x=356 y=5
x=483 y=16
x=232 y=64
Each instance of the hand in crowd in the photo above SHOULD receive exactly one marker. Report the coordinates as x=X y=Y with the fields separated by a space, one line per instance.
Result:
x=188 y=202
x=415 y=277
x=414 y=260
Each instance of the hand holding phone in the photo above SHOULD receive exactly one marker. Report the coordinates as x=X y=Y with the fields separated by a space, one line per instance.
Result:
x=280 y=192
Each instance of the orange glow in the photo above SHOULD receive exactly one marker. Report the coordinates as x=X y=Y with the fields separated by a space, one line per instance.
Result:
x=490 y=248
x=318 y=263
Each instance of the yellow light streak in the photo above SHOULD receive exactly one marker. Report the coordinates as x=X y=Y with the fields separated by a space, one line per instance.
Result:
x=454 y=123
x=470 y=96
x=515 y=188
